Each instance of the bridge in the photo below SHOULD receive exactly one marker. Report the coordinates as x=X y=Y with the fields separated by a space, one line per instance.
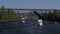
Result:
x=30 y=10
x=35 y=11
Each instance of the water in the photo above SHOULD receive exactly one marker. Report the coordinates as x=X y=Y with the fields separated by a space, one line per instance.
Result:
x=30 y=27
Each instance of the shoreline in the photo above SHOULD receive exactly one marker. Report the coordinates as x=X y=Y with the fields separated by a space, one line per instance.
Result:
x=19 y=20
x=7 y=20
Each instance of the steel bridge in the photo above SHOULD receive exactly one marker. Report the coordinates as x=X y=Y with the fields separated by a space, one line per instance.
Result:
x=31 y=10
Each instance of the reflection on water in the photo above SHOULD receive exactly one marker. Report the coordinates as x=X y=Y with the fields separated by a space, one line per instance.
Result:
x=30 y=27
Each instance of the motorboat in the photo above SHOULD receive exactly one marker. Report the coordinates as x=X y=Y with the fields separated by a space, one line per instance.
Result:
x=40 y=22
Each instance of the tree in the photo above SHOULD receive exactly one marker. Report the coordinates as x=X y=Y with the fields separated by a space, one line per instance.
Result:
x=8 y=14
x=52 y=16
x=12 y=15
x=3 y=13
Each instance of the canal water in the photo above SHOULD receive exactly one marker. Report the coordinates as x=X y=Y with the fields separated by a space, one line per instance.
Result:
x=30 y=27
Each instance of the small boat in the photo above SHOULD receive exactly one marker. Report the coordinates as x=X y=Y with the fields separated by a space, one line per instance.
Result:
x=23 y=21
x=40 y=22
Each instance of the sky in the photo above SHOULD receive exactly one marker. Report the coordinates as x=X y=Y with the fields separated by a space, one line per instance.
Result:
x=31 y=4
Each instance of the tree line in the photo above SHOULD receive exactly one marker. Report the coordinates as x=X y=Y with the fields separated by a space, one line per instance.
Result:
x=8 y=14
x=52 y=16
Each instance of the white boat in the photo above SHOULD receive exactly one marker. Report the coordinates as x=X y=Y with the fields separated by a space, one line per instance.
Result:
x=23 y=21
x=40 y=22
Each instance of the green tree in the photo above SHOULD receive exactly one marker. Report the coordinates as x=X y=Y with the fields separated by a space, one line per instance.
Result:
x=8 y=14
x=52 y=16
x=3 y=13
x=12 y=15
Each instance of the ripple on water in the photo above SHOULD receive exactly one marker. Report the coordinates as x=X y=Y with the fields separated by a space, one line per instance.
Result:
x=30 y=27
x=14 y=27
